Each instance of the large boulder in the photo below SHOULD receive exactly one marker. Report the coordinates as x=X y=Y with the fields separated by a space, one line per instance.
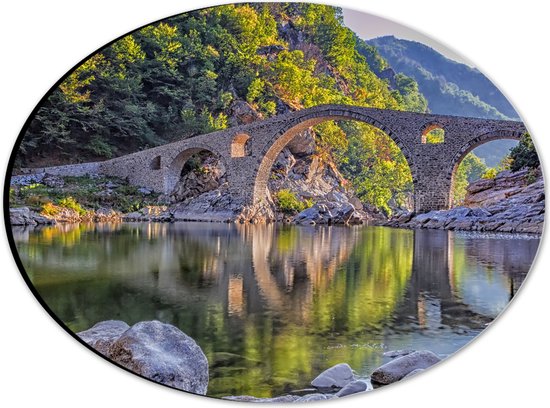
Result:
x=337 y=376
x=353 y=387
x=155 y=350
x=103 y=334
x=398 y=368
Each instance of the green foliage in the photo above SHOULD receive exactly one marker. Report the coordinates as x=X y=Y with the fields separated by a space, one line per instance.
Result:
x=70 y=203
x=289 y=203
x=470 y=169
x=491 y=173
x=524 y=154
x=435 y=136
x=50 y=209
x=180 y=78
x=100 y=147
x=82 y=194
x=376 y=167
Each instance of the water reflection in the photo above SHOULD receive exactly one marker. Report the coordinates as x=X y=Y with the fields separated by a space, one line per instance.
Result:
x=272 y=305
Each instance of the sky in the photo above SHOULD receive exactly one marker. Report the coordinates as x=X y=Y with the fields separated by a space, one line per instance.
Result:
x=368 y=26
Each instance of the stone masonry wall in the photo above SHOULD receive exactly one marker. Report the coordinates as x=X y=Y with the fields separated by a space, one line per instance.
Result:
x=249 y=151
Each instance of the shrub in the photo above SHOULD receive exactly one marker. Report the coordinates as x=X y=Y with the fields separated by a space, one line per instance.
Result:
x=288 y=203
x=71 y=203
x=50 y=209
x=524 y=154
x=491 y=173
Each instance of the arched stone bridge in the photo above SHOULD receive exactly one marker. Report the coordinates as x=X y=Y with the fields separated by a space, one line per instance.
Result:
x=249 y=151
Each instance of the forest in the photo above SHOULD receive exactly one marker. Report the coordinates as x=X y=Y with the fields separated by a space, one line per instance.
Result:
x=184 y=76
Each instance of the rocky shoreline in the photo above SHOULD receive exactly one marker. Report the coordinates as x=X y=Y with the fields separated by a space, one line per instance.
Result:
x=510 y=202
x=164 y=354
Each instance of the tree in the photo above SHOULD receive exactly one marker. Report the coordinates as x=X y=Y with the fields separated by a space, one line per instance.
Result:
x=524 y=154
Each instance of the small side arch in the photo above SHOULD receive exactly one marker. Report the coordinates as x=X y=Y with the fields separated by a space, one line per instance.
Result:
x=432 y=133
x=240 y=145
x=174 y=169
x=471 y=145
x=155 y=164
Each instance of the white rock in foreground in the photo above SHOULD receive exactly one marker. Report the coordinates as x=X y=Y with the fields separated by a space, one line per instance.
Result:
x=155 y=350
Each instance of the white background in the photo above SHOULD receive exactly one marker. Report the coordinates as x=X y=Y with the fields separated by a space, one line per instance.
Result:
x=41 y=364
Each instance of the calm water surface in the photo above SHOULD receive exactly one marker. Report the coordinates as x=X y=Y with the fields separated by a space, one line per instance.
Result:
x=271 y=305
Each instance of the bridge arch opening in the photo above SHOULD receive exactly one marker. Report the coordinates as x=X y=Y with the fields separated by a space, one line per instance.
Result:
x=192 y=172
x=483 y=157
x=433 y=133
x=155 y=163
x=239 y=145
x=385 y=143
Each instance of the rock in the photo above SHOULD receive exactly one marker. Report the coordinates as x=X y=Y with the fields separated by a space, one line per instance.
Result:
x=507 y=203
x=24 y=216
x=106 y=214
x=414 y=372
x=397 y=369
x=144 y=191
x=103 y=334
x=243 y=112
x=335 y=377
x=303 y=144
x=248 y=398
x=352 y=388
x=27 y=179
x=317 y=214
x=53 y=181
x=315 y=397
x=154 y=350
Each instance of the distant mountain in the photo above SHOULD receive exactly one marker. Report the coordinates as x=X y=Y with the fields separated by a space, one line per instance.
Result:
x=450 y=87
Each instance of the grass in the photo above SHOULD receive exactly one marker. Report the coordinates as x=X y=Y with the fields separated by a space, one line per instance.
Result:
x=81 y=194
x=289 y=203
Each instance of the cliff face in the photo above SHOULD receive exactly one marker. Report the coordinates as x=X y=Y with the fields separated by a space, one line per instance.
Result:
x=506 y=189
x=511 y=202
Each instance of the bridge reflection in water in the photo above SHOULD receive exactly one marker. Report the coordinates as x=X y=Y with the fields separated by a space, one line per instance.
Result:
x=274 y=305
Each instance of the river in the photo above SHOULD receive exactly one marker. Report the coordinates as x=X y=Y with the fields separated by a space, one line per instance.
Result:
x=274 y=305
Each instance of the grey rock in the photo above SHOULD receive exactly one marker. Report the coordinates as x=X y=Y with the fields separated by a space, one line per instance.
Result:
x=27 y=179
x=53 y=181
x=335 y=377
x=248 y=398
x=353 y=388
x=103 y=334
x=315 y=397
x=398 y=368
x=24 y=216
x=144 y=191
x=155 y=350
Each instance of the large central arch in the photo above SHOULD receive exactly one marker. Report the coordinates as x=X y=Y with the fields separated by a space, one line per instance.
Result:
x=471 y=145
x=292 y=128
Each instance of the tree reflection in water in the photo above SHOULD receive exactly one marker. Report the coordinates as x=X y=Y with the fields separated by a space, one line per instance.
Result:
x=273 y=305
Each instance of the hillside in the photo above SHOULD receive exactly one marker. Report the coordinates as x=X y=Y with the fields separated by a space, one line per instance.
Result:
x=219 y=67
x=450 y=87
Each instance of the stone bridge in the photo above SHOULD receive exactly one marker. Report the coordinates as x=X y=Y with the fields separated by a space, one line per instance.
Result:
x=249 y=151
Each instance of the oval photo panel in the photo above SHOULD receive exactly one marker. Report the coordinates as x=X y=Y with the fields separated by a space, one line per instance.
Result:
x=278 y=202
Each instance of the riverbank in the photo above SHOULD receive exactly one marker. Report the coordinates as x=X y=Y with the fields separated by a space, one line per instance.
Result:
x=512 y=202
